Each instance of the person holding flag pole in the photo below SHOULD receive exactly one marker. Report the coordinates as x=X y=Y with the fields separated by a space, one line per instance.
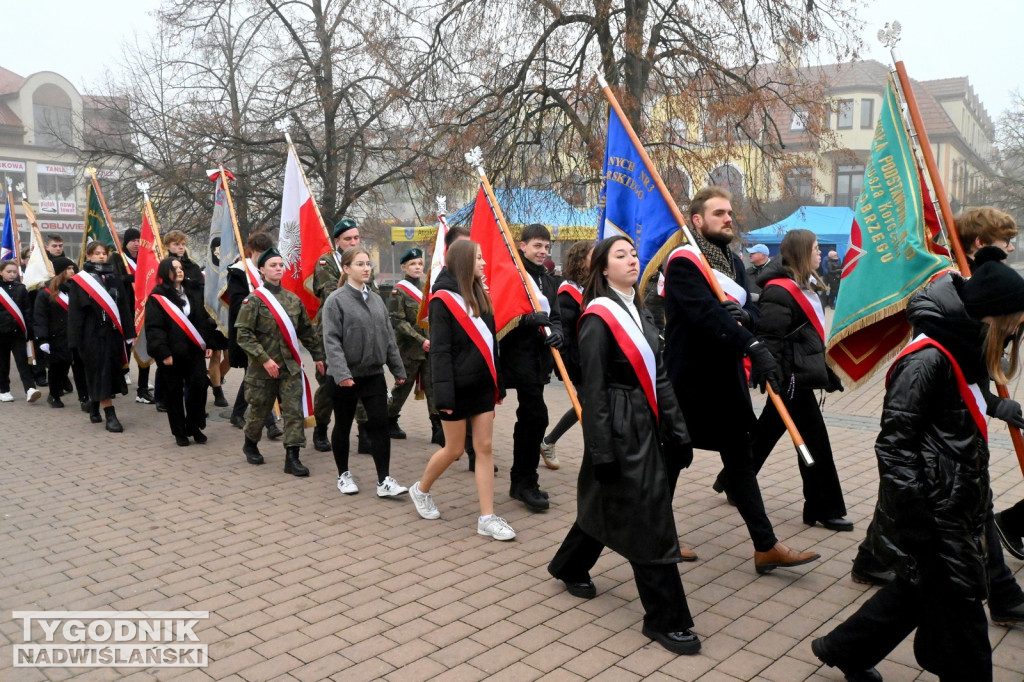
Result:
x=144 y=251
x=708 y=333
x=15 y=332
x=50 y=327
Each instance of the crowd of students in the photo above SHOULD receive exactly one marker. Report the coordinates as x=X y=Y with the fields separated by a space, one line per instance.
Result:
x=651 y=391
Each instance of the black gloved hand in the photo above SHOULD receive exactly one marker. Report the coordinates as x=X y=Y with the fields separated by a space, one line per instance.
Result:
x=763 y=368
x=609 y=472
x=1007 y=410
x=681 y=453
x=539 y=319
x=834 y=382
x=736 y=311
x=554 y=340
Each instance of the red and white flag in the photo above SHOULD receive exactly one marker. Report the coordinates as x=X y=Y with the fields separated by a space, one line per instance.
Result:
x=303 y=237
x=145 y=279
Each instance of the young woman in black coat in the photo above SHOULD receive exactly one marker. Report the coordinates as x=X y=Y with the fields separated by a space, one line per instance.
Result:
x=633 y=434
x=93 y=333
x=50 y=326
x=792 y=327
x=14 y=332
x=180 y=351
x=464 y=387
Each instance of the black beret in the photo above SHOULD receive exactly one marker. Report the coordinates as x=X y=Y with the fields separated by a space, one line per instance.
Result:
x=267 y=255
x=411 y=254
x=342 y=226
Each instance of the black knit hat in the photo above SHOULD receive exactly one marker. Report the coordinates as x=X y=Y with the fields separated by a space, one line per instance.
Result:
x=62 y=263
x=131 y=234
x=994 y=288
x=267 y=255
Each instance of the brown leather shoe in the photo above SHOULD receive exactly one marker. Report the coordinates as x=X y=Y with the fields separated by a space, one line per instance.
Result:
x=687 y=553
x=781 y=556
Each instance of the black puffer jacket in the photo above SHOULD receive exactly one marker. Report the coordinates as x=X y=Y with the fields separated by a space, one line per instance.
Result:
x=527 y=360
x=19 y=294
x=164 y=336
x=456 y=365
x=789 y=334
x=932 y=460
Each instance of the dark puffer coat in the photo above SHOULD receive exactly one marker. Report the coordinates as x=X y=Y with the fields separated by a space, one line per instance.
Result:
x=570 y=312
x=50 y=324
x=632 y=515
x=457 y=369
x=932 y=460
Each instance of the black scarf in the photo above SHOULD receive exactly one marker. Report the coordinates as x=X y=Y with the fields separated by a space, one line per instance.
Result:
x=719 y=257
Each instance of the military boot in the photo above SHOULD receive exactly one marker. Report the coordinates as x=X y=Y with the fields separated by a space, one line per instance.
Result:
x=252 y=452
x=394 y=430
x=218 y=397
x=321 y=443
x=292 y=465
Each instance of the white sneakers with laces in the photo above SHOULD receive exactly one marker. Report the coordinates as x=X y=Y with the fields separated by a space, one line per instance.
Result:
x=424 y=503
x=346 y=484
x=33 y=395
x=495 y=527
x=389 y=488
x=6 y=397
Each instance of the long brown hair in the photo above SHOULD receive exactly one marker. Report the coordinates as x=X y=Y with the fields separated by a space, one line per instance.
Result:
x=597 y=283
x=795 y=250
x=461 y=262
x=348 y=258
x=1003 y=327
x=59 y=279
x=576 y=263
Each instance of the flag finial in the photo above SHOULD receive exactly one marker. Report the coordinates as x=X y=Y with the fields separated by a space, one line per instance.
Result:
x=21 y=188
x=890 y=34
x=475 y=157
x=442 y=204
x=144 y=188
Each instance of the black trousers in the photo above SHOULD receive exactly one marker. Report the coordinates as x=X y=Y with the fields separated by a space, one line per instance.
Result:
x=952 y=631
x=1013 y=519
x=823 y=496
x=659 y=585
x=13 y=343
x=1003 y=590
x=184 y=393
x=372 y=391
x=58 y=374
x=531 y=422
x=741 y=484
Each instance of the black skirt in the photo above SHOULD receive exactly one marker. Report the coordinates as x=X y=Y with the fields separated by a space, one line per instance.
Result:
x=470 y=401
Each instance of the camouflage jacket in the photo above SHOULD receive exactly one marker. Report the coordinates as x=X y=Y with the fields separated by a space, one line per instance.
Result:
x=261 y=339
x=404 y=310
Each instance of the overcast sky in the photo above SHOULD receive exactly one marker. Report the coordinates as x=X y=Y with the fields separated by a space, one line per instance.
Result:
x=979 y=39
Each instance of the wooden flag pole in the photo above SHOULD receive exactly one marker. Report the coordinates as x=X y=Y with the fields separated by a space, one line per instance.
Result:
x=106 y=215
x=37 y=235
x=442 y=229
x=890 y=37
x=291 y=149
x=475 y=158
x=234 y=220
x=14 y=223
x=798 y=440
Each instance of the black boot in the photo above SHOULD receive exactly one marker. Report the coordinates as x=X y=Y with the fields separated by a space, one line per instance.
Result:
x=85 y=404
x=274 y=431
x=436 y=432
x=363 y=441
x=528 y=492
x=113 y=425
x=292 y=465
x=94 y=412
x=394 y=430
x=55 y=400
x=218 y=397
x=252 y=452
x=321 y=443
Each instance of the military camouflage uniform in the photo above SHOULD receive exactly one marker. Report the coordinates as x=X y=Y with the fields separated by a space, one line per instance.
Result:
x=404 y=310
x=261 y=339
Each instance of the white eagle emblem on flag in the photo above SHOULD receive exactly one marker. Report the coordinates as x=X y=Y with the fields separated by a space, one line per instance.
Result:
x=291 y=247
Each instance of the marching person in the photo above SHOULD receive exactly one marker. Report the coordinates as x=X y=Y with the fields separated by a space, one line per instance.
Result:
x=404 y=305
x=934 y=494
x=130 y=243
x=570 y=298
x=359 y=341
x=50 y=327
x=220 y=363
x=270 y=326
x=15 y=332
x=792 y=327
x=527 y=368
x=177 y=328
x=467 y=381
x=634 y=434
x=100 y=321
x=706 y=342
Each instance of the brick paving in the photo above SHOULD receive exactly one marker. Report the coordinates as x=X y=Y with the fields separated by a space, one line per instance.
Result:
x=304 y=584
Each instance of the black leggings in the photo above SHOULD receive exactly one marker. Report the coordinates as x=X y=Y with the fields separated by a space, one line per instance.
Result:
x=563 y=425
x=372 y=391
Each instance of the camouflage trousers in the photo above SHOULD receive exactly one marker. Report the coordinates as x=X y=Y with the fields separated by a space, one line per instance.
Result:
x=323 y=403
x=399 y=394
x=261 y=393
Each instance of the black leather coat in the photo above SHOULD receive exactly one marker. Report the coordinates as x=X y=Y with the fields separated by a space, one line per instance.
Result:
x=632 y=515
x=932 y=461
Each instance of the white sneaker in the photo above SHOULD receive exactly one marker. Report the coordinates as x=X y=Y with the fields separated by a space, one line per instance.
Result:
x=346 y=485
x=390 y=488
x=547 y=453
x=424 y=503
x=32 y=395
x=496 y=527
x=127 y=379
x=6 y=398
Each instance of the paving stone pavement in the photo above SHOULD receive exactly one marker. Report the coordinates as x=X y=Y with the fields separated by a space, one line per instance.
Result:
x=304 y=584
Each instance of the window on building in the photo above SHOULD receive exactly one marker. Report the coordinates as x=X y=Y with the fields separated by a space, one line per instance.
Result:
x=799 y=120
x=845 y=118
x=51 y=117
x=867 y=113
x=729 y=177
x=57 y=195
x=799 y=182
x=16 y=178
x=678 y=183
x=849 y=183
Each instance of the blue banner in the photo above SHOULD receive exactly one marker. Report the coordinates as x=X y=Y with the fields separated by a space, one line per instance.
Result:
x=7 y=241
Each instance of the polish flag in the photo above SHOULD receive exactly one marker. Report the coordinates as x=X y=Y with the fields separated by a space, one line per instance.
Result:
x=145 y=279
x=303 y=237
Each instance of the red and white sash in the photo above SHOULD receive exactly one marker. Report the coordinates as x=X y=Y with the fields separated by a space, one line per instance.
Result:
x=632 y=342
x=807 y=300
x=291 y=339
x=12 y=307
x=541 y=299
x=573 y=289
x=970 y=393
x=62 y=298
x=732 y=290
x=130 y=264
x=178 y=315
x=474 y=327
x=98 y=293
x=409 y=288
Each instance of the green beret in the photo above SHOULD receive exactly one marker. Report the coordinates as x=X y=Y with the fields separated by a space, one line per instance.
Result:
x=343 y=225
x=267 y=255
x=411 y=254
